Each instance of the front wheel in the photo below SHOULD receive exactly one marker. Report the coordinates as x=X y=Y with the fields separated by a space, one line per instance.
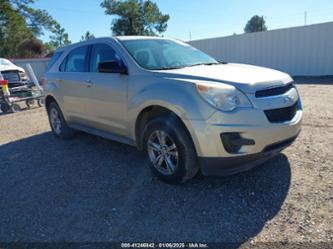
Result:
x=57 y=122
x=170 y=151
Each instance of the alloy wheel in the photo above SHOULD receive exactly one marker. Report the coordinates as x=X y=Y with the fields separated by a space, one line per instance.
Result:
x=163 y=152
x=55 y=121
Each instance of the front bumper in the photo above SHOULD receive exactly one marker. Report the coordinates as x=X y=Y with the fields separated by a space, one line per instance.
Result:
x=250 y=123
x=269 y=139
x=224 y=166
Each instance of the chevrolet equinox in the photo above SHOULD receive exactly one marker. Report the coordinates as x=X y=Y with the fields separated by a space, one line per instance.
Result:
x=185 y=110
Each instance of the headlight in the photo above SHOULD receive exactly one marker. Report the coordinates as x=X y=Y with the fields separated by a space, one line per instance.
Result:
x=222 y=96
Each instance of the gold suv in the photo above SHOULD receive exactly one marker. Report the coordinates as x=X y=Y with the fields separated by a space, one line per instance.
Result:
x=184 y=109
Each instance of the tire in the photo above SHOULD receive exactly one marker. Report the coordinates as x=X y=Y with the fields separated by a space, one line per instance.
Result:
x=15 y=108
x=5 y=108
x=29 y=103
x=179 y=162
x=57 y=122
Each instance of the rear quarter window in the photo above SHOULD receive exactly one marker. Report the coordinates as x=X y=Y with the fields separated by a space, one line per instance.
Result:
x=53 y=60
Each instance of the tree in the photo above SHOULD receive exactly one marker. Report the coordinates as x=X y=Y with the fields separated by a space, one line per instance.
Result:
x=30 y=48
x=256 y=24
x=59 y=37
x=20 y=23
x=36 y=20
x=135 y=17
x=87 y=36
x=13 y=30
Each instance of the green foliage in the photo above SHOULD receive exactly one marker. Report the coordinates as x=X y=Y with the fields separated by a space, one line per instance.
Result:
x=87 y=36
x=13 y=30
x=20 y=24
x=135 y=17
x=59 y=37
x=256 y=24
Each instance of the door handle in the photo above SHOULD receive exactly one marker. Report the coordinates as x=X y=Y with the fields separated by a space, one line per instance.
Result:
x=88 y=83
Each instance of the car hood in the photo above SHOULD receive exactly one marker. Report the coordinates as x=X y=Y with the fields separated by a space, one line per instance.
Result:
x=248 y=78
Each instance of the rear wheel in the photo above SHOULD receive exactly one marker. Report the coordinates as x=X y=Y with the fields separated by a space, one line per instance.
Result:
x=57 y=122
x=170 y=151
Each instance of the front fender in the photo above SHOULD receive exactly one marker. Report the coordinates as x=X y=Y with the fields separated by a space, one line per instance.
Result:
x=177 y=96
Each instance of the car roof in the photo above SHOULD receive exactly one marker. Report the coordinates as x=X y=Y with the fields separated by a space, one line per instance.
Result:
x=90 y=41
x=120 y=38
x=135 y=37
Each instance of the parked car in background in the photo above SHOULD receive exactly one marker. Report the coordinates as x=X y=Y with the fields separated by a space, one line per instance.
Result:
x=183 y=108
x=15 y=75
x=16 y=88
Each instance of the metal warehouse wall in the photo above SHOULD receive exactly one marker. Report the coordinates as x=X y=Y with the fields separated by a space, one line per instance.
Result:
x=38 y=65
x=306 y=51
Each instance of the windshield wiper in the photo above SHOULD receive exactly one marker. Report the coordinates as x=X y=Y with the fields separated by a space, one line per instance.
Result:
x=197 y=64
x=205 y=64
x=168 y=68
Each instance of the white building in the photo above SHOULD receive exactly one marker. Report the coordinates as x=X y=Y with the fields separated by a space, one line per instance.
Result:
x=305 y=51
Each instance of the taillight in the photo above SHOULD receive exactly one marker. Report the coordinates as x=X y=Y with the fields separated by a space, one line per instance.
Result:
x=5 y=88
x=3 y=82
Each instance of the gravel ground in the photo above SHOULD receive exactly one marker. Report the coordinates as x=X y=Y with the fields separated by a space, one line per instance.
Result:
x=92 y=189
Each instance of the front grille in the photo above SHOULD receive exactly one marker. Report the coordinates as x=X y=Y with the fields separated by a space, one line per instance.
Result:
x=274 y=91
x=282 y=114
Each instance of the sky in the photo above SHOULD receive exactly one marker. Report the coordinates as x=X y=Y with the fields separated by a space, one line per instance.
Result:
x=192 y=19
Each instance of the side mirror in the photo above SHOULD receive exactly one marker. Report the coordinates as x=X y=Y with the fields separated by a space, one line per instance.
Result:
x=111 y=67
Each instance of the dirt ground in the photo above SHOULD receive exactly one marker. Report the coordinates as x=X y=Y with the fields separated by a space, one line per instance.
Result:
x=91 y=189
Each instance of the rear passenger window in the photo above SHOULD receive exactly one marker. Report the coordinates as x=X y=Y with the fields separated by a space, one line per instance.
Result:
x=75 y=60
x=102 y=53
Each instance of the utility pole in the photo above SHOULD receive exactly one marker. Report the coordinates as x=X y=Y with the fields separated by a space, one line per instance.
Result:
x=190 y=35
x=305 y=17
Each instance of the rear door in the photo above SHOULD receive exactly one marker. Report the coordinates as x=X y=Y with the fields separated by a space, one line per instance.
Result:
x=73 y=82
x=107 y=102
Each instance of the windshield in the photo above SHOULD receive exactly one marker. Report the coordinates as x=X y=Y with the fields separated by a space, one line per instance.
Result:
x=162 y=54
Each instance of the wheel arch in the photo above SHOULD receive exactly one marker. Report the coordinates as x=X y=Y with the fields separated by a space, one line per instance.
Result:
x=51 y=98
x=153 y=111
x=48 y=100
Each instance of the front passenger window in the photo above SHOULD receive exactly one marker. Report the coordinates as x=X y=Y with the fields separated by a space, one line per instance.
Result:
x=102 y=53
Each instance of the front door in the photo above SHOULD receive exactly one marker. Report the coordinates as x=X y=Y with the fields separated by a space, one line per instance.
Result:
x=107 y=102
